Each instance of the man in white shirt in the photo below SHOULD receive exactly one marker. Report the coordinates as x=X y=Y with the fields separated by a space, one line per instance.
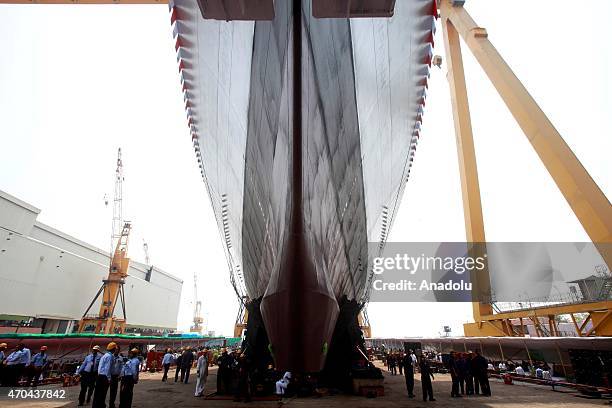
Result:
x=415 y=364
x=202 y=373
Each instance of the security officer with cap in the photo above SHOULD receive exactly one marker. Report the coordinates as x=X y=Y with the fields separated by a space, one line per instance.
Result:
x=88 y=371
x=115 y=374
x=129 y=377
x=38 y=365
x=104 y=375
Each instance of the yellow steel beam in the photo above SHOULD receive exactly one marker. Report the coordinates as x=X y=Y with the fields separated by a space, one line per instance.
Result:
x=468 y=171
x=83 y=1
x=552 y=310
x=603 y=320
x=586 y=199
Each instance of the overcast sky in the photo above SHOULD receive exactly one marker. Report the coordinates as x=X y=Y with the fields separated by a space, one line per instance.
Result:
x=77 y=82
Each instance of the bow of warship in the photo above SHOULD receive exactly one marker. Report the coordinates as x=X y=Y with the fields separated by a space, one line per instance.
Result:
x=304 y=117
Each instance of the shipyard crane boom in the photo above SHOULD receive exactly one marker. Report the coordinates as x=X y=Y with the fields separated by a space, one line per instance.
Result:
x=112 y=287
x=197 y=308
x=145 y=248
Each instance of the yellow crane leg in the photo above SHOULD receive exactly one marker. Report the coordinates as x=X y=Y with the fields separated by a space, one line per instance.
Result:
x=586 y=199
x=468 y=171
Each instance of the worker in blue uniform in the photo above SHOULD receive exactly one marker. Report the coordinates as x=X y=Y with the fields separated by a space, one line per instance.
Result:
x=115 y=374
x=38 y=365
x=88 y=371
x=104 y=375
x=129 y=377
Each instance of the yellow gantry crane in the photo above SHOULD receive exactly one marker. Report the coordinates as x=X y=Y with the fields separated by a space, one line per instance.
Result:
x=112 y=287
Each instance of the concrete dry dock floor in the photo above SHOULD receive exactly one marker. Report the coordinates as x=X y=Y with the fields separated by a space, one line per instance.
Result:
x=151 y=392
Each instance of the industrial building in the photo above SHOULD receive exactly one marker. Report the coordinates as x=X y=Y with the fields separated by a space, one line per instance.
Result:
x=49 y=278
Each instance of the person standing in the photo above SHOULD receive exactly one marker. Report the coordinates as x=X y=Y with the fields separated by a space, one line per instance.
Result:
x=12 y=368
x=224 y=375
x=461 y=371
x=392 y=364
x=16 y=363
x=482 y=374
x=400 y=363
x=166 y=361
x=452 y=368
x=243 y=390
x=179 y=367
x=469 y=375
x=129 y=377
x=3 y=347
x=414 y=360
x=88 y=371
x=409 y=374
x=115 y=374
x=39 y=364
x=202 y=373
x=186 y=364
x=104 y=375
x=426 y=378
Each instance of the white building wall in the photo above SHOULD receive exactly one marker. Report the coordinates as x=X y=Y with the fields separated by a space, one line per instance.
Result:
x=47 y=274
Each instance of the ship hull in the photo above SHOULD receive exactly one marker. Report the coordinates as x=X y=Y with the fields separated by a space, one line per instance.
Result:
x=304 y=129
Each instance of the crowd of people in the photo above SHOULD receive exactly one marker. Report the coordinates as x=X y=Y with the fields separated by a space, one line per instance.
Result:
x=103 y=374
x=19 y=365
x=469 y=371
x=184 y=359
x=469 y=374
x=233 y=376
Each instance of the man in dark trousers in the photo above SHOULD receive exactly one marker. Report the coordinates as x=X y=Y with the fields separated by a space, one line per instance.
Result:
x=179 y=367
x=3 y=347
x=129 y=377
x=482 y=374
x=409 y=374
x=243 y=391
x=452 y=369
x=426 y=378
x=166 y=361
x=461 y=363
x=38 y=366
x=88 y=371
x=224 y=375
x=186 y=363
x=114 y=382
x=400 y=362
x=469 y=375
x=392 y=364
x=474 y=369
x=104 y=375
